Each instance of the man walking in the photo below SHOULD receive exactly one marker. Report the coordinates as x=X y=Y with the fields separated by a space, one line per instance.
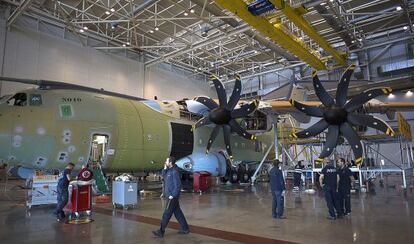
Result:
x=277 y=186
x=344 y=190
x=62 y=190
x=329 y=181
x=172 y=188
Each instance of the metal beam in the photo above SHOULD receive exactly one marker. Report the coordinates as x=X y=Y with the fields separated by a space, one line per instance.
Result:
x=302 y=24
x=184 y=50
x=275 y=32
x=18 y=11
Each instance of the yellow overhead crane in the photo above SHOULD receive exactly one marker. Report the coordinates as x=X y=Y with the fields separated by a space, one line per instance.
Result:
x=277 y=32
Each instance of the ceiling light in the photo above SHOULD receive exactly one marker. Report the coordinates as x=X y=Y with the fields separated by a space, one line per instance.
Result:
x=85 y=28
x=391 y=95
x=398 y=8
x=331 y=1
x=123 y=45
x=128 y=43
x=192 y=11
x=107 y=12
x=151 y=31
x=81 y=30
x=185 y=13
x=255 y=51
x=112 y=10
x=156 y=28
x=405 y=28
x=409 y=93
x=360 y=39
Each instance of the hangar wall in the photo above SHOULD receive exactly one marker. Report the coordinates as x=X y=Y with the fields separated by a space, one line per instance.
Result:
x=33 y=54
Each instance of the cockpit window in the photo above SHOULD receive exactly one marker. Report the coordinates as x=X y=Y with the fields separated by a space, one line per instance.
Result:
x=20 y=99
x=35 y=100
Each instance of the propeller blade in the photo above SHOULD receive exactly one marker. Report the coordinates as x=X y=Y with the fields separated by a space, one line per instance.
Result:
x=235 y=95
x=239 y=130
x=320 y=91
x=245 y=110
x=309 y=110
x=330 y=144
x=227 y=134
x=208 y=102
x=359 y=100
x=370 y=121
x=203 y=121
x=311 y=131
x=221 y=92
x=353 y=139
x=342 y=90
x=213 y=137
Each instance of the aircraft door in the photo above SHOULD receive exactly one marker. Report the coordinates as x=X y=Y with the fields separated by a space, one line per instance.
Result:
x=99 y=149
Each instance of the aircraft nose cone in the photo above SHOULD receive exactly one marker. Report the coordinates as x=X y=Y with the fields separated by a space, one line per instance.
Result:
x=220 y=116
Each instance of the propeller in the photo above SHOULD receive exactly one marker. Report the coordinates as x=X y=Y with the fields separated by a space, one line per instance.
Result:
x=339 y=115
x=223 y=115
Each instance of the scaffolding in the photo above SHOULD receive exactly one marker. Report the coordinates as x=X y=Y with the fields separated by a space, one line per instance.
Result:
x=375 y=163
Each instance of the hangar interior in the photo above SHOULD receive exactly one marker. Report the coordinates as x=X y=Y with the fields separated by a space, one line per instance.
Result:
x=161 y=55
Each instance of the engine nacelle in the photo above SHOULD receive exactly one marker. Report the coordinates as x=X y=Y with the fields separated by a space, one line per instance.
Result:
x=214 y=163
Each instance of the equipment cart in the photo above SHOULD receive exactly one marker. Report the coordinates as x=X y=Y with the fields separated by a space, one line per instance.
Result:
x=80 y=199
x=42 y=190
x=124 y=193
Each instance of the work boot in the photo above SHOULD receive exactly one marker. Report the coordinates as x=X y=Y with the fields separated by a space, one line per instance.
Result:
x=158 y=234
x=183 y=232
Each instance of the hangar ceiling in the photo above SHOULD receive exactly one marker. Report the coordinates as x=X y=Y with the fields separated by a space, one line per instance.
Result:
x=200 y=36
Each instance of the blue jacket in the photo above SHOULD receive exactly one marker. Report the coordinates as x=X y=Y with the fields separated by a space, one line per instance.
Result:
x=172 y=182
x=277 y=183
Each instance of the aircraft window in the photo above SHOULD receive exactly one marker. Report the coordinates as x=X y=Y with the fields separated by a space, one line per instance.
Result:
x=5 y=98
x=20 y=99
x=35 y=100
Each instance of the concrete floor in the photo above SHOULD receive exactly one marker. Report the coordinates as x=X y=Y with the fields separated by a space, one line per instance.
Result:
x=224 y=215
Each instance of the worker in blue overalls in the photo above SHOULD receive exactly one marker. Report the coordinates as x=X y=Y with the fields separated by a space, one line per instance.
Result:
x=172 y=188
x=328 y=180
x=62 y=190
x=277 y=186
x=344 y=190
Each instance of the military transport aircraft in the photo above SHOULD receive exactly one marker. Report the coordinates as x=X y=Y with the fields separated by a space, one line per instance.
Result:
x=57 y=123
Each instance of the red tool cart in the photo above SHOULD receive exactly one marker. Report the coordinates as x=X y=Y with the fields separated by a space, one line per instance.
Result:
x=80 y=199
x=201 y=181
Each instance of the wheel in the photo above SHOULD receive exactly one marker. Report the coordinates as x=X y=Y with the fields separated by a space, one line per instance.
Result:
x=234 y=177
x=246 y=177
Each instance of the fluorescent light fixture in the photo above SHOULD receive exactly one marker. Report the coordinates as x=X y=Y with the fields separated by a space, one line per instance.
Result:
x=128 y=43
x=156 y=28
x=398 y=8
x=123 y=45
x=185 y=13
x=405 y=28
x=85 y=28
x=409 y=93
x=81 y=30
x=192 y=11
x=391 y=96
x=112 y=10
x=107 y=12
